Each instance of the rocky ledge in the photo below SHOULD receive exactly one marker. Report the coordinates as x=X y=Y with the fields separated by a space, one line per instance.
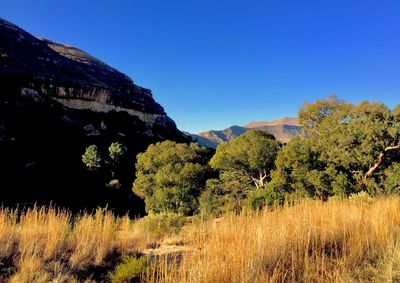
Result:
x=71 y=76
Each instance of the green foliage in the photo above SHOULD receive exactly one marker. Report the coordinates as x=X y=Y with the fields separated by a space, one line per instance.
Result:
x=392 y=179
x=222 y=195
x=396 y=111
x=159 y=225
x=249 y=157
x=345 y=149
x=116 y=150
x=212 y=204
x=313 y=114
x=129 y=270
x=361 y=197
x=91 y=158
x=171 y=176
x=258 y=199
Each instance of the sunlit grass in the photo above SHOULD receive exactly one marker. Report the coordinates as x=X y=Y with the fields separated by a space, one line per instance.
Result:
x=337 y=241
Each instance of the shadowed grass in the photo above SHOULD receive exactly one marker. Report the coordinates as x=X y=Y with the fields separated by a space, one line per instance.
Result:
x=43 y=244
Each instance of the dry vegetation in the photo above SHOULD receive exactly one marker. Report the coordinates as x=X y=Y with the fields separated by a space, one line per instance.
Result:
x=338 y=241
x=42 y=244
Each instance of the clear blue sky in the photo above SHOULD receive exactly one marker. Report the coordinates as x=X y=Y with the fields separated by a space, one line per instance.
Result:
x=215 y=63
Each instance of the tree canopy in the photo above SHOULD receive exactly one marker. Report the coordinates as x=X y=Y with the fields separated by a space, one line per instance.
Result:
x=250 y=157
x=170 y=176
x=91 y=158
x=345 y=148
x=116 y=150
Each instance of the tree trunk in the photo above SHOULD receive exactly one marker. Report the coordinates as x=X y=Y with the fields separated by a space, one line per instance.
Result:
x=381 y=158
x=378 y=162
x=260 y=181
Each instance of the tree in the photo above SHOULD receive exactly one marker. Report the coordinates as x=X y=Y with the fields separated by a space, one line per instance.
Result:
x=300 y=172
x=346 y=148
x=116 y=150
x=249 y=157
x=91 y=158
x=170 y=176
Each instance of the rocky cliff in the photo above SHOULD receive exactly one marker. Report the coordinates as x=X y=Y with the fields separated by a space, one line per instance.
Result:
x=71 y=76
x=55 y=100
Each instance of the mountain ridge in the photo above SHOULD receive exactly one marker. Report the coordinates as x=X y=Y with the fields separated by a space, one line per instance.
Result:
x=284 y=129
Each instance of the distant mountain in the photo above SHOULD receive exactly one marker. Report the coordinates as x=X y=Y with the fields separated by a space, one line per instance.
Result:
x=283 y=129
x=289 y=121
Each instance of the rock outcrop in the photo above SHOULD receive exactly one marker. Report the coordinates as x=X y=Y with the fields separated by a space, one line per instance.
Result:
x=55 y=100
x=71 y=76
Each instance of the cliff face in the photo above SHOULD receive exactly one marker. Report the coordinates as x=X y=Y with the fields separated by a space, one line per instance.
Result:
x=71 y=76
x=55 y=100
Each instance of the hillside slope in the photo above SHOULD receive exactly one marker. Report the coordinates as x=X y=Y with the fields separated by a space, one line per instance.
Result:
x=55 y=100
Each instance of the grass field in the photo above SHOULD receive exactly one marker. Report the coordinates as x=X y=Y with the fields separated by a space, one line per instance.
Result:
x=355 y=240
x=338 y=241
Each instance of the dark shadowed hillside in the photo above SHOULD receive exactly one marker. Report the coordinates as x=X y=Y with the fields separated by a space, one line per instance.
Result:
x=55 y=100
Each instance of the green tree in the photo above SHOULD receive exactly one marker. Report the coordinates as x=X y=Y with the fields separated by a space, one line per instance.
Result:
x=249 y=157
x=91 y=158
x=170 y=176
x=116 y=150
x=300 y=172
x=346 y=148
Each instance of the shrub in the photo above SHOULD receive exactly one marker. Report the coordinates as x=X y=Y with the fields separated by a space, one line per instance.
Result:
x=258 y=199
x=129 y=270
x=159 y=225
x=223 y=195
x=361 y=197
x=212 y=204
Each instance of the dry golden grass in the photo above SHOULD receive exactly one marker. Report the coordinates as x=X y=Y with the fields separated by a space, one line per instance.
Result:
x=337 y=241
x=46 y=244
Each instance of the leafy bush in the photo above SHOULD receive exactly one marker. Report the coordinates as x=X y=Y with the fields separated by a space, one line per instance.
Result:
x=129 y=270
x=361 y=197
x=258 y=199
x=212 y=204
x=159 y=225
x=223 y=195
